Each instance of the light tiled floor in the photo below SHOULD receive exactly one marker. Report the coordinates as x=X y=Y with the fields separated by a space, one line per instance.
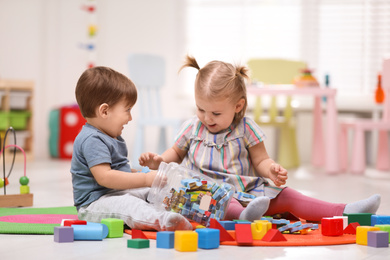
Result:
x=50 y=182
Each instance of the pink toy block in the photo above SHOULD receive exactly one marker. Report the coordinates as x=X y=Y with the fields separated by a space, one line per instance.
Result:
x=63 y=234
x=244 y=234
x=378 y=239
x=274 y=235
x=351 y=228
x=332 y=227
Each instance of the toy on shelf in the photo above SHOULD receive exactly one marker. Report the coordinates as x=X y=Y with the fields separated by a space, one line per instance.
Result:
x=25 y=198
x=195 y=196
x=379 y=93
x=306 y=79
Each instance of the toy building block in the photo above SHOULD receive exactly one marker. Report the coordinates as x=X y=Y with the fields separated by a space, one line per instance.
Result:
x=91 y=231
x=345 y=220
x=70 y=222
x=274 y=235
x=186 y=241
x=224 y=235
x=138 y=243
x=115 y=227
x=260 y=228
x=136 y=233
x=364 y=219
x=165 y=239
x=332 y=227
x=288 y=227
x=384 y=227
x=351 y=228
x=228 y=224
x=208 y=238
x=361 y=234
x=244 y=234
x=378 y=239
x=24 y=189
x=379 y=220
x=63 y=234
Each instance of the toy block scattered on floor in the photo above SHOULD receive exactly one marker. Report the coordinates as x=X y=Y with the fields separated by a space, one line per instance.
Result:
x=223 y=235
x=244 y=234
x=186 y=241
x=380 y=220
x=378 y=238
x=260 y=228
x=63 y=234
x=165 y=239
x=345 y=220
x=136 y=233
x=115 y=227
x=70 y=222
x=384 y=227
x=332 y=227
x=351 y=228
x=228 y=224
x=208 y=238
x=138 y=243
x=361 y=234
x=91 y=231
x=274 y=235
x=364 y=219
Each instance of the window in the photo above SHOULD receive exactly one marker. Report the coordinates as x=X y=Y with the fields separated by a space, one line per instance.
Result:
x=346 y=39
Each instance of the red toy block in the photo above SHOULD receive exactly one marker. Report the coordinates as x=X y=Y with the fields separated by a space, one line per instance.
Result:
x=274 y=235
x=224 y=235
x=70 y=222
x=332 y=227
x=244 y=234
x=136 y=233
x=351 y=228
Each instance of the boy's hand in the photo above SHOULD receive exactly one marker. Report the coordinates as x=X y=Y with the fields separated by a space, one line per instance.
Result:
x=152 y=160
x=278 y=174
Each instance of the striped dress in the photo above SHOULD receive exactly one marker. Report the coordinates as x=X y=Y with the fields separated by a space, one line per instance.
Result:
x=224 y=156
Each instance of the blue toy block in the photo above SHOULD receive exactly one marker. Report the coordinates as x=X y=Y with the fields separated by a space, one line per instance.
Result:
x=63 y=234
x=380 y=220
x=91 y=231
x=228 y=225
x=378 y=238
x=165 y=239
x=208 y=238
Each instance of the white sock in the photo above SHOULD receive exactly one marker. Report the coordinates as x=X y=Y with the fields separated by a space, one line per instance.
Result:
x=175 y=221
x=255 y=209
x=369 y=205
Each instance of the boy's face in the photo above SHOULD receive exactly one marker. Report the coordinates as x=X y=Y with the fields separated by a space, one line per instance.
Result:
x=116 y=117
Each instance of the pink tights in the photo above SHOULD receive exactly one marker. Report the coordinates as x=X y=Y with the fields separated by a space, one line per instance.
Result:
x=290 y=200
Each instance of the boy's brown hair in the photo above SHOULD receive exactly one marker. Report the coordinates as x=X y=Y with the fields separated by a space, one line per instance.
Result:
x=99 y=85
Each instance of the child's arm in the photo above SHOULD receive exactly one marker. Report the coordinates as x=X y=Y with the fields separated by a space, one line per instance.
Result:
x=153 y=160
x=119 y=180
x=265 y=166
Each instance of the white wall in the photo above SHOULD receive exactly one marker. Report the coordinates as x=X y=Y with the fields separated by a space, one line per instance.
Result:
x=40 y=40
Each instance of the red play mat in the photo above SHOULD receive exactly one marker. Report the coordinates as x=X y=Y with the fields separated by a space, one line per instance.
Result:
x=313 y=238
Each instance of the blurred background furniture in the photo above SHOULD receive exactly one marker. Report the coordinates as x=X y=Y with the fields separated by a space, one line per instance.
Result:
x=272 y=72
x=148 y=74
x=360 y=126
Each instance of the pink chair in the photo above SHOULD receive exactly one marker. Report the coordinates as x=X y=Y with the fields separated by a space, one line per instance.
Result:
x=359 y=126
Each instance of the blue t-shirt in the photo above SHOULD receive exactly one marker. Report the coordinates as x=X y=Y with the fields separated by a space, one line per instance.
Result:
x=92 y=147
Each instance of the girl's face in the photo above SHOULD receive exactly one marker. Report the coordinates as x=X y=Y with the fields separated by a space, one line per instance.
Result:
x=217 y=115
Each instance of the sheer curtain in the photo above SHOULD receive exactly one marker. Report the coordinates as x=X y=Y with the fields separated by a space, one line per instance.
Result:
x=346 y=39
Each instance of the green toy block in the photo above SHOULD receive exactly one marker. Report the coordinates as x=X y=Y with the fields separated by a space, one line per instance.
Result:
x=384 y=228
x=115 y=227
x=138 y=243
x=364 y=219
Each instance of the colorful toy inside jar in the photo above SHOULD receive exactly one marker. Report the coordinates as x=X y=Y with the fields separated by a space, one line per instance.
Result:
x=195 y=196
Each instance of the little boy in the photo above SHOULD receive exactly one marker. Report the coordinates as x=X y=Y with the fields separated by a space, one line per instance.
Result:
x=104 y=185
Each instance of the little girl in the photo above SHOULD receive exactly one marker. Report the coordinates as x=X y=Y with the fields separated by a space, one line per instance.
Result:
x=222 y=143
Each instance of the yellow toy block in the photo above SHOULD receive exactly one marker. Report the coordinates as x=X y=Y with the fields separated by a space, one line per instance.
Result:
x=361 y=234
x=186 y=241
x=260 y=228
x=24 y=189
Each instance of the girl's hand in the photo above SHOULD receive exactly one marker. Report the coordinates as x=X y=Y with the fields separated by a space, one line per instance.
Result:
x=278 y=174
x=152 y=160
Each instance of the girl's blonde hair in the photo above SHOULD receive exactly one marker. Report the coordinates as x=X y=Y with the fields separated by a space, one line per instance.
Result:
x=221 y=80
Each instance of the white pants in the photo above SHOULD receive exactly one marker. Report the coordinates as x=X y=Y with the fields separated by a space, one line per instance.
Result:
x=131 y=206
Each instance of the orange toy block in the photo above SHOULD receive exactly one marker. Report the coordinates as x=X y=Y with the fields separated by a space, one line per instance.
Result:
x=244 y=234
x=351 y=228
x=274 y=235
x=224 y=235
x=136 y=233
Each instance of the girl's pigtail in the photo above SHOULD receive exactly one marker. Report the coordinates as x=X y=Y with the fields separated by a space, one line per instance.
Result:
x=190 y=62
